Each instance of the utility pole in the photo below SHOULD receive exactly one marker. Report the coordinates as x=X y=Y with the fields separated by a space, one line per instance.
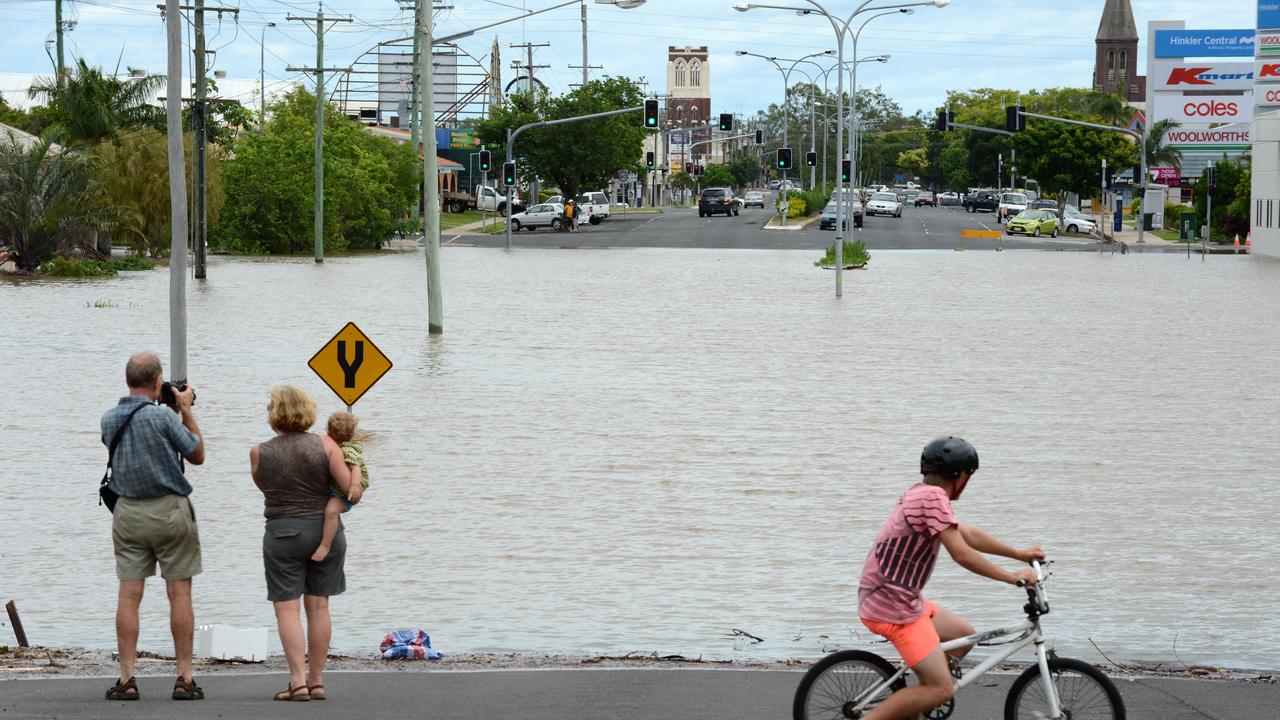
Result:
x=319 y=71
x=177 y=198
x=430 y=173
x=528 y=48
x=58 y=21
x=199 y=113
x=414 y=109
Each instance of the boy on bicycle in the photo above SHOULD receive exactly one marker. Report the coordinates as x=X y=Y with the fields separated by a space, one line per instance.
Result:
x=900 y=562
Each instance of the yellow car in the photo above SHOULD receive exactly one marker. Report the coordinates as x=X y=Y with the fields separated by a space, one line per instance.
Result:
x=1033 y=222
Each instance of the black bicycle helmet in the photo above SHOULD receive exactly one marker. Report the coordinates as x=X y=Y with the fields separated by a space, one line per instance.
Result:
x=948 y=457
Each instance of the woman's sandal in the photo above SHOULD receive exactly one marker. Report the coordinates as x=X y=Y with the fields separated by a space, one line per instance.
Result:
x=312 y=690
x=125 y=691
x=291 y=694
x=184 y=690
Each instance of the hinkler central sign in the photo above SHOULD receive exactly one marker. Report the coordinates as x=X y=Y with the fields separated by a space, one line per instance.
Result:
x=1204 y=43
x=350 y=364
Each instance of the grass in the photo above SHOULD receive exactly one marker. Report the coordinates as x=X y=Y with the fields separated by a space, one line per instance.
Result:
x=74 y=267
x=855 y=254
x=101 y=304
x=449 y=220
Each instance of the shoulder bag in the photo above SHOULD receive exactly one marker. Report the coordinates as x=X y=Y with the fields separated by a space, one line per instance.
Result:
x=107 y=496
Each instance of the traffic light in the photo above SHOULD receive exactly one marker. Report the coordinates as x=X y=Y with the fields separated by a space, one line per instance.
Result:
x=1212 y=178
x=1013 y=119
x=784 y=158
x=486 y=161
x=697 y=170
x=846 y=170
x=726 y=121
x=648 y=159
x=651 y=114
x=688 y=168
x=943 y=123
x=759 y=137
x=509 y=174
x=811 y=159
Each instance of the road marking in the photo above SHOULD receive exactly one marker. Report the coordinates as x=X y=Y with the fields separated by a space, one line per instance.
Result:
x=455 y=237
x=646 y=222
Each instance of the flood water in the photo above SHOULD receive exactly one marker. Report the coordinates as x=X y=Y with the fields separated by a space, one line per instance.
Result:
x=641 y=450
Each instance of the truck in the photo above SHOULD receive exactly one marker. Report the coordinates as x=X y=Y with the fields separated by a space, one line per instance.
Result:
x=486 y=198
x=981 y=201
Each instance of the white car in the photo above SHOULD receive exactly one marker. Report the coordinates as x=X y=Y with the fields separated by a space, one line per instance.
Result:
x=884 y=203
x=1074 y=222
x=543 y=215
x=753 y=199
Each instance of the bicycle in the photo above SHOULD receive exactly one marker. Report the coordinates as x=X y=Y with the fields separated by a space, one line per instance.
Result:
x=847 y=684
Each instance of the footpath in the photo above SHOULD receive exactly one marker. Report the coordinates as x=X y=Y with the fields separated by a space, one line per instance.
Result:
x=581 y=688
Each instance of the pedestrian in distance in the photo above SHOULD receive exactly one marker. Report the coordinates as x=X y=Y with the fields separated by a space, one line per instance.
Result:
x=570 y=225
x=153 y=522
x=341 y=429
x=577 y=213
x=890 y=594
x=294 y=471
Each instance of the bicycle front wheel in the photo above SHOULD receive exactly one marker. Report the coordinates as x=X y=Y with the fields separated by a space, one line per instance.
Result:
x=1083 y=691
x=840 y=685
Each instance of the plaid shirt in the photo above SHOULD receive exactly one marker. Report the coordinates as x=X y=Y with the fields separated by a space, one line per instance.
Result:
x=146 y=460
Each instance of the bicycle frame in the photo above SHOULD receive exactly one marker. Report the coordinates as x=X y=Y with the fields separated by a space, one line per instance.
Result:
x=1030 y=635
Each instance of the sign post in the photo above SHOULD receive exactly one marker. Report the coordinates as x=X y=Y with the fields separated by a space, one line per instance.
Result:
x=350 y=364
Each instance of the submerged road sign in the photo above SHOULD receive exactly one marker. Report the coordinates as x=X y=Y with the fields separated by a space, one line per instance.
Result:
x=350 y=364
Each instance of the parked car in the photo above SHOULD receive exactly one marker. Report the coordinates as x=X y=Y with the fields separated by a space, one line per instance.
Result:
x=884 y=203
x=926 y=198
x=541 y=215
x=1011 y=204
x=981 y=201
x=1033 y=222
x=717 y=200
x=755 y=198
x=773 y=184
x=594 y=207
x=1043 y=204
x=950 y=198
x=828 y=221
x=482 y=197
x=1075 y=222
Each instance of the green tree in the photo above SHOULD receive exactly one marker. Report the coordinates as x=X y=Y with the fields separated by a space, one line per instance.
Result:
x=681 y=180
x=1159 y=152
x=745 y=169
x=89 y=106
x=717 y=176
x=1230 y=204
x=914 y=161
x=47 y=199
x=370 y=184
x=576 y=156
x=954 y=161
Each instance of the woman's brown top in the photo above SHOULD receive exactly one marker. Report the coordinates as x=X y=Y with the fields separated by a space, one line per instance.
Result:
x=293 y=475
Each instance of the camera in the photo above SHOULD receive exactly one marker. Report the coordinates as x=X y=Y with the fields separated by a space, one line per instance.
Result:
x=168 y=394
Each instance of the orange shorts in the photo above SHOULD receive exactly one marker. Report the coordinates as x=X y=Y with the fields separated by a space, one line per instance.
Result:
x=914 y=640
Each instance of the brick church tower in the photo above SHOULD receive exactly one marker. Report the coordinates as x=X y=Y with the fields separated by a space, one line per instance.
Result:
x=1115 y=68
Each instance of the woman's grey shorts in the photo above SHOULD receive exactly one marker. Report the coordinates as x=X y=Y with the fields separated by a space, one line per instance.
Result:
x=287 y=545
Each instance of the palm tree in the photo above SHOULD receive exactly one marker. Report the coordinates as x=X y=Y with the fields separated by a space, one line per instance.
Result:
x=1159 y=152
x=1111 y=108
x=45 y=197
x=89 y=106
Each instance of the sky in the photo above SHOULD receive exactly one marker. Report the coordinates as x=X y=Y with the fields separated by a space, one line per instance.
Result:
x=1020 y=44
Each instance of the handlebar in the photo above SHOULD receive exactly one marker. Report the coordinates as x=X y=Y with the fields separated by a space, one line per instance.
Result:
x=1038 y=600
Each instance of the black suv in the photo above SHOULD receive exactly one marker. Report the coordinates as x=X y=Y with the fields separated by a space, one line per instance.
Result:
x=717 y=200
x=982 y=201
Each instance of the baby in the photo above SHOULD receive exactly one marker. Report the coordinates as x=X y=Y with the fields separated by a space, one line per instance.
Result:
x=342 y=427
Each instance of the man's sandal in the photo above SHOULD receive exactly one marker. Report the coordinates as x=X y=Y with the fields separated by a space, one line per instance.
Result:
x=291 y=694
x=184 y=690
x=313 y=689
x=125 y=691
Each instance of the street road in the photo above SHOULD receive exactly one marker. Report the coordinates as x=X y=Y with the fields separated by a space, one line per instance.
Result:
x=641 y=694
x=923 y=228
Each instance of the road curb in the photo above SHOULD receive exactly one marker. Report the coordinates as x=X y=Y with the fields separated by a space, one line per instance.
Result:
x=789 y=228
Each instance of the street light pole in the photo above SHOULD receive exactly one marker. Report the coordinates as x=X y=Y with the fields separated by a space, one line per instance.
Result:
x=262 y=76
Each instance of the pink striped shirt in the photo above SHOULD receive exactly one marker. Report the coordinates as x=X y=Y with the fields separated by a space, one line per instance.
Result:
x=903 y=555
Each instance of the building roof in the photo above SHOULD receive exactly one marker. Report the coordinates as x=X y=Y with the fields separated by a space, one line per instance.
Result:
x=401 y=135
x=10 y=135
x=1117 y=22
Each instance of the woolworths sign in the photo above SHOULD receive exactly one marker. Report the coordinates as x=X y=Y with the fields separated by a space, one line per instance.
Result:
x=1208 y=140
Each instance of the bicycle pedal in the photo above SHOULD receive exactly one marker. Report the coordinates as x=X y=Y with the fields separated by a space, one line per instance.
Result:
x=957 y=670
x=942 y=712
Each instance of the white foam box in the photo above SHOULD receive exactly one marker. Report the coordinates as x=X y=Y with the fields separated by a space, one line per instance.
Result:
x=227 y=643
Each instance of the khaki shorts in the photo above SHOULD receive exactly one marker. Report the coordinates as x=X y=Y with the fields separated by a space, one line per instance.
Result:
x=150 y=530
x=287 y=545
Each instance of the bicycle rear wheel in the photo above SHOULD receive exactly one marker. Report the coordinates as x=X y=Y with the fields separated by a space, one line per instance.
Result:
x=1083 y=691
x=840 y=681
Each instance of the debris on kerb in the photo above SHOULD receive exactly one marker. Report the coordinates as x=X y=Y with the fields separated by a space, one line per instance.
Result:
x=220 y=642
x=409 y=645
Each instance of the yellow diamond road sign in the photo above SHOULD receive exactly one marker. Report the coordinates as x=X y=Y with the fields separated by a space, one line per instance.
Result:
x=350 y=364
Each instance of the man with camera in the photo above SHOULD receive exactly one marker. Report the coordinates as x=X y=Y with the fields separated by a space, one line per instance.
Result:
x=153 y=521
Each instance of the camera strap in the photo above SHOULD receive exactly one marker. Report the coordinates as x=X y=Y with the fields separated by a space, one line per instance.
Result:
x=115 y=440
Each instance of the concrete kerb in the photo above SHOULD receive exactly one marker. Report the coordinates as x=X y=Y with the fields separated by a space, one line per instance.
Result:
x=772 y=223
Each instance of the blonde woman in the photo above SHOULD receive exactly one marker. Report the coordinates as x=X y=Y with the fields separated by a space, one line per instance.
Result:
x=293 y=470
